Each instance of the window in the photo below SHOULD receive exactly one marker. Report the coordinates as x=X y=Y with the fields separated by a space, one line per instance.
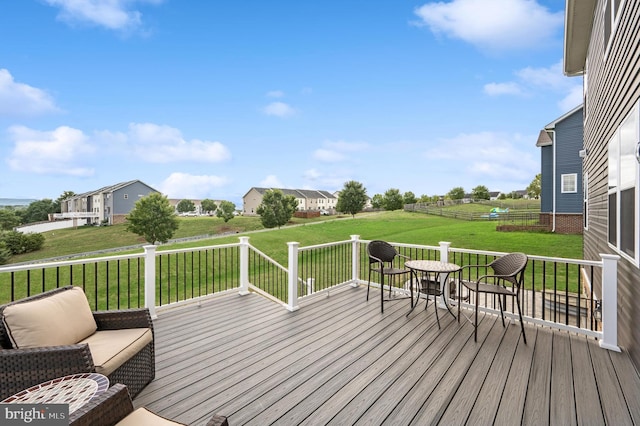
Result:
x=623 y=187
x=569 y=183
x=126 y=196
x=611 y=13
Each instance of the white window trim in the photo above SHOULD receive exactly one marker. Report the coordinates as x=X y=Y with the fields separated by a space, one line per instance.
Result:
x=563 y=190
x=585 y=204
x=615 y=18
x=635 y=260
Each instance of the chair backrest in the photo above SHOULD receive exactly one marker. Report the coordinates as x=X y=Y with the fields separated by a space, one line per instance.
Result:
x=512 y=266
x=379 y=250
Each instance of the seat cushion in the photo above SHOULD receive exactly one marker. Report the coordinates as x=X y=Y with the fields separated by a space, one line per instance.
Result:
x=63 y=318
x=112 y=348
x=143 y=417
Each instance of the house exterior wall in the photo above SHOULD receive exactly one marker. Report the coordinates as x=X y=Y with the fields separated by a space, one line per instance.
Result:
x=546 y=179
x=569 y=140
x=251 y=201
x=612 y=80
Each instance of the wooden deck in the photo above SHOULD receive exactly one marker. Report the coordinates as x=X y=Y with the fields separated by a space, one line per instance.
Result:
x=338 y=360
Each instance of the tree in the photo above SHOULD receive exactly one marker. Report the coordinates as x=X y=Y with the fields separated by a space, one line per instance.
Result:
x=64 y=196
x=226 y=211
x=153 y=218
x=409 y=198
x=377 y=201
x=456 y=193
x=535 y=187
x=5 y=254
x=352 y=198
x=208 y=206
x=8 y=219
x=185 y=206
x=38 y=211
x=276 y=208
x=392 y=200
x=480 y=192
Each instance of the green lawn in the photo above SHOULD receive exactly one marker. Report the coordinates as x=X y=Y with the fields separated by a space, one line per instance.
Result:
x=398 y=226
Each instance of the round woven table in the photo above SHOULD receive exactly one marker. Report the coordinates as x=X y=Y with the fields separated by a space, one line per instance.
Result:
x=75 y=390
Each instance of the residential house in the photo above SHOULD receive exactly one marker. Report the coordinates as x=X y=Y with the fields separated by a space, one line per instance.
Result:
x=196 y=203
x=561 y=144
x=109 y=204
x=307 y=199
x=601 y=45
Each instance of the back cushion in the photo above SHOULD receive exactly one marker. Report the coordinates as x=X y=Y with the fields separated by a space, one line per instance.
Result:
x=64 y=318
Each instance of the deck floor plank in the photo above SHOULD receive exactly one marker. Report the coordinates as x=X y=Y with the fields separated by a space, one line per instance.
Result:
x=339 y=360
x=562 y=402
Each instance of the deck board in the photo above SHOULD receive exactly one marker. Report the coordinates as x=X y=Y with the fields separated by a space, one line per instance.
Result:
x=338 y=360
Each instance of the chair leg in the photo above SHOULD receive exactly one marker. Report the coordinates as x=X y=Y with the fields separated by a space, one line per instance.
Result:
x=382 y=294
x=435 y=306
x=524 y=336
x=475 y=324
x=501 y=310
x=368 y=283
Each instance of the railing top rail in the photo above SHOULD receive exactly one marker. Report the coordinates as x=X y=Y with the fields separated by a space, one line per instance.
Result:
x=531 y=257
x=316 y=246
x=265 y=256
x=192 y=249
x=36 y=265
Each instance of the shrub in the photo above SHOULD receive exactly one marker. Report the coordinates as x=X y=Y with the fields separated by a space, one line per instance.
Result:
x=19 y=243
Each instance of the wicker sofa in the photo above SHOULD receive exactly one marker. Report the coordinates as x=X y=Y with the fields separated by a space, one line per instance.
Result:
x=114 y=407
x=54 y=334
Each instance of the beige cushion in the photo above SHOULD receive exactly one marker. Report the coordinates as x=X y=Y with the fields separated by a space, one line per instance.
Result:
x=143 y=417
x=112 y=348
x=64 y=318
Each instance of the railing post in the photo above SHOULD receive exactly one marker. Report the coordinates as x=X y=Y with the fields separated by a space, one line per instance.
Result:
x=355 y=260
x=150 y=279
x=444 y=283
x=292 y=305
x=244 y=266
x=609 y=302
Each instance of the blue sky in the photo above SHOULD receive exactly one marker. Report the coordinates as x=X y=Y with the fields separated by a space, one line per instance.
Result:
x=206 y=99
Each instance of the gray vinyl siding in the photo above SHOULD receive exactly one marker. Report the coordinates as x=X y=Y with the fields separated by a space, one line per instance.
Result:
x=613 y=88
x=569 y=142
x=121 y=205
x=546 y=183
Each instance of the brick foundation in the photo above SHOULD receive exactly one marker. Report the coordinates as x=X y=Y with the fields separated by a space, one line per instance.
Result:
x=566 y=223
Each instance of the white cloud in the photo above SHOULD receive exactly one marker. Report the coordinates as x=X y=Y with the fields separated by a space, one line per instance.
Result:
x=184 y=185
x=162 y=144
x=489 y=155
x=19 y=99
x=111 y=14
x=328 y=156
x=493 y=24
x=271 y=181
x=275 y=94
x=335 y=151
x=60 y=151
x=546 y=79
x=572 y=100
x=495 y=89
x=312 y=174
x=279 y=109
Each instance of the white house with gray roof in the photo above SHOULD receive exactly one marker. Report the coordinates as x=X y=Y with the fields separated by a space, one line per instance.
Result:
x=308 y=199
x=110 y=203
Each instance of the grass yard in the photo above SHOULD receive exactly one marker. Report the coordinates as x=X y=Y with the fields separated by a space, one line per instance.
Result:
x=397 y=226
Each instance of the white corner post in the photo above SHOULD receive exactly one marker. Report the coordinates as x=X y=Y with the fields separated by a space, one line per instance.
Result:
x=609 y=302
x=150 y=279
x=444 y=282
x=292 y=304
x=244 y=266
x=355 y=260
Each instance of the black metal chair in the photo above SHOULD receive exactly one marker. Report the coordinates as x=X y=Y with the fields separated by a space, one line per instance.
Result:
x=381 y=260
x=506 y=280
